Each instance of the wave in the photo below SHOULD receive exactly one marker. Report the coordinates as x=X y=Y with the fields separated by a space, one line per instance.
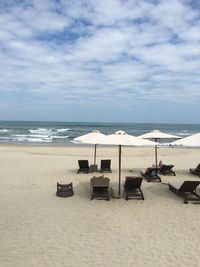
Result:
x=5 y=138
x=42 y=131
x=34 y=140
x=60 y=136
x=62 y=130
x=64 y=133
x=4 y=130
x=32 y=135
x=26 y=140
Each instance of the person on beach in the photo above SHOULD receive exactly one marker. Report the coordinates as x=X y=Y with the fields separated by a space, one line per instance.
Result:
x=152 y=171
x=160 y=164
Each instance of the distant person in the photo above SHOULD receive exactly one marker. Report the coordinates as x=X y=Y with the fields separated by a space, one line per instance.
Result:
x=160 y=164
x=151 y=171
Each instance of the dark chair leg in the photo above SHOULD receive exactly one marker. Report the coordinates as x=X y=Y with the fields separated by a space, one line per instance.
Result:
x=141 y=193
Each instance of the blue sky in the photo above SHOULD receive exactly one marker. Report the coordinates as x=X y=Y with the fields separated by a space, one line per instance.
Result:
x=108 y=60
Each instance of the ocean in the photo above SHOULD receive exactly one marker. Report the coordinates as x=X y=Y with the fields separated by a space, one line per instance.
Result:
x=62 y=133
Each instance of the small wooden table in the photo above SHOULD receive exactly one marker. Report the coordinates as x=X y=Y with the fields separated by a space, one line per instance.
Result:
x=93 y=168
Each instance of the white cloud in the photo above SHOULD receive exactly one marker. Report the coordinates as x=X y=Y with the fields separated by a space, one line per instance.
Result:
x=109 y=50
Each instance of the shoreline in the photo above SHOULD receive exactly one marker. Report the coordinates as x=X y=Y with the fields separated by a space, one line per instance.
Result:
x=72 y=145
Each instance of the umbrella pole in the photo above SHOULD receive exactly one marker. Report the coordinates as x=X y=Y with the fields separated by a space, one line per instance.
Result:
x=95 y=153
x=120 y=154
x=156 y=155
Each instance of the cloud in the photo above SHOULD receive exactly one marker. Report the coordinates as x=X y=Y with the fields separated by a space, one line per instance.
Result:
x=100 y=52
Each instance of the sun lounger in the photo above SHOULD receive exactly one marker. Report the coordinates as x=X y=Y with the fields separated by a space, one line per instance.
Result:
x=100 y=188
x=83 y=166
x=187 y=190
x=151 y=174
x=167 y=170
x=132 y=188
x=64 y=190
x=196 y=171
x=105 y=165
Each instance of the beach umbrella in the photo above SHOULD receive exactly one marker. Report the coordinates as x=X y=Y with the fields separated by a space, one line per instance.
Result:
x=157 y=135
x=93 y=138
x=189 y=141
x=121 y=138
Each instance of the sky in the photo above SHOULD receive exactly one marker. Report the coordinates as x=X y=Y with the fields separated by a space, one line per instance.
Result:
x=100 y=61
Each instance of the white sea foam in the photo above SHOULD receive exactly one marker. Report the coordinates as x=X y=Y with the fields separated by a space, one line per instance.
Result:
x=62 y=130
x=36 y=140
x=186 y=133
x=27 y=138
x=42 y=131
x=32 y=135
x=39 y=140
x=60 y=136
x=4 y=130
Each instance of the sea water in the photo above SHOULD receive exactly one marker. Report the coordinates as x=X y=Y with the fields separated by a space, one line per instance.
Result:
x=62 y=133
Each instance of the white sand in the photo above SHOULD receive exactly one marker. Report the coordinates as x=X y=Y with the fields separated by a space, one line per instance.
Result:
x=39 y=229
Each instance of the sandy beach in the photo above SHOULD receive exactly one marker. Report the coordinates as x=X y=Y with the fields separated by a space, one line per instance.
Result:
x=39 y=229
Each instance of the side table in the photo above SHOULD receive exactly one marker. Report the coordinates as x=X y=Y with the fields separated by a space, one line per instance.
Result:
x=93 y=168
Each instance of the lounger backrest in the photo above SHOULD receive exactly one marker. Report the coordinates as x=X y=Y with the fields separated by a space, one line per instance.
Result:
x=166 y=167
x=100 y=181
x=198 y=168
x=189 y=186
x=83 y=164
x=105 y=163
x=133 y=182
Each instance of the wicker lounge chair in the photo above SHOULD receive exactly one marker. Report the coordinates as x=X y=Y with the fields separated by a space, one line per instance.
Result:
x=151 y=174
x=100 y=188
x=64 y=190
x=105 y=165
x=196 y=171
x=132 y=188
x=83 y=166
x=186 y=190
x=167 y=170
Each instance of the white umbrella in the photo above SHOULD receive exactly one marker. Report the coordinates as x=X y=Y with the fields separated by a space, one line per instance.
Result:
x=93 y=138
x=156 y=135
x=189 y=141
x=121 y=138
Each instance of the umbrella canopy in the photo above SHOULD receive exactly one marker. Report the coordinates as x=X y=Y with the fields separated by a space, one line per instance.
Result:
x=94 y=136
x=121 y=138
x=156 y=135
x=190 y=141
x=91 y=138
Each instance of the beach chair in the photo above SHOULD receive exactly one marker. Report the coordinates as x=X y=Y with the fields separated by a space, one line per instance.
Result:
x=83 y=166
x=105 y=165
x=167 y=170
x=151 y=175
x=100 y=188
x=132 y=188
x=64 y=190
x=196 y=171
x=187 y=190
